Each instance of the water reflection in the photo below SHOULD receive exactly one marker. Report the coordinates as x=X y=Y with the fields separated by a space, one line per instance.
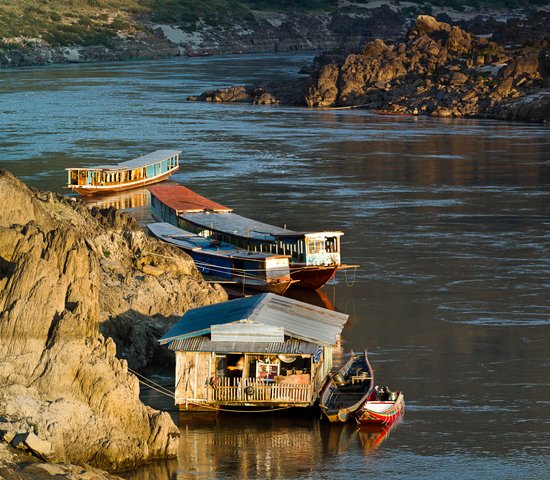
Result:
x=269 y=445
x=126 y=200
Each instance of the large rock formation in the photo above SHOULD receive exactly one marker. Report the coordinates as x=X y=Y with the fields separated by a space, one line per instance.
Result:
x=438 y=70
x=59 y=377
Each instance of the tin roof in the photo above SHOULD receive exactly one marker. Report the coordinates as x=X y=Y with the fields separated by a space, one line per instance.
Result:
x=181 y=199
x=299 y=320
x=236 y=225
x=190 y=241
x=290 y=346
x=144 y=160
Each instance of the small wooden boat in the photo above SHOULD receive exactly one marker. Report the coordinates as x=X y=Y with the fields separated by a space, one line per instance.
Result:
x=382 y=407
x=314 y=256
x=346 y=390
x=224 y=262
x=151 y=168
x=391 y=112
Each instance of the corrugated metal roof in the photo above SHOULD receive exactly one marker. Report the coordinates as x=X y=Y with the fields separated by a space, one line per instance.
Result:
x=181 y=199
x=142 y=161
x=190 y=241
x=236 y=225
x=300 y=320
x=204 y=344
x=197 y=321
x=246 y=331
x=233 y=224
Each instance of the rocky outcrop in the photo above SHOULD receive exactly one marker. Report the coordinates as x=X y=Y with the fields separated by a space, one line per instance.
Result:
x=59 y=377
x=438 y=70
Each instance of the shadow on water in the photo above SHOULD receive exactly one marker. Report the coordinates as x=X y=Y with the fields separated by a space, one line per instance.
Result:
x=268 y=445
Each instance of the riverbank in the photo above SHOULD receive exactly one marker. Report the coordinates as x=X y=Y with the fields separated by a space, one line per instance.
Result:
x=105 y=35
x=437 y=69
x=70 y=276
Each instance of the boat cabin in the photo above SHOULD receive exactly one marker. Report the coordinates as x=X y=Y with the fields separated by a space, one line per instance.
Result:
x=188 y=210
x=144 y=170
x=225 y=262
x=259 y=351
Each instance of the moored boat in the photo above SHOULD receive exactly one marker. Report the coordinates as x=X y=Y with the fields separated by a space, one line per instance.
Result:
x=314 y=256
x=382 y=407
x=145 y=170
x=225 y=262
x=263 y=351
x=347 y=389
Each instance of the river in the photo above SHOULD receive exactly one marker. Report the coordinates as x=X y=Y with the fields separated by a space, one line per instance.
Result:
x=449 y=220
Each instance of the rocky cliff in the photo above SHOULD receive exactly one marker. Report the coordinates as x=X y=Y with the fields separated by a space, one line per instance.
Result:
x=62 y=270
x=438 y=69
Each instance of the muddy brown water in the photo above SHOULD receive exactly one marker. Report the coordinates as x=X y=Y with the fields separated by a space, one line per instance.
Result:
x=449 y=220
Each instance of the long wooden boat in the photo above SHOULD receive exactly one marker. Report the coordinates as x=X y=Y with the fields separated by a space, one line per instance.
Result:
x=382 y=407
x=225 y=262
x=346 y=390
x=314 y=256
x=145 y=170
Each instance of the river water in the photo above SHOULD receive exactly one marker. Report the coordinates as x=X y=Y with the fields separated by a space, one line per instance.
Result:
x=449 y=220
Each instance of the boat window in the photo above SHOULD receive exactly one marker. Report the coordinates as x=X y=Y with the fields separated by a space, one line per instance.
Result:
x=316 y=246
x=331 y=245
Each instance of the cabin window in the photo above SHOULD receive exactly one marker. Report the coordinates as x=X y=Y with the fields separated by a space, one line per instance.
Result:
x=221 y=365
x=331 y=245
x=316 y=246
x=295 y=364
x=235 y=365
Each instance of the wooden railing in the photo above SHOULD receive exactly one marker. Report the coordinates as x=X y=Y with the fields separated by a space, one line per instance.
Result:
x=250 y=390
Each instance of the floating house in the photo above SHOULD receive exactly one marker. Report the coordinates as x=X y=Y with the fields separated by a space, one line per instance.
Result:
x=314 y=256
x=145 y=170
x=224 y=262
x=259 y=351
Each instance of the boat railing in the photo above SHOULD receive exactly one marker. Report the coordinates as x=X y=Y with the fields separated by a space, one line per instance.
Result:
x=251 y=390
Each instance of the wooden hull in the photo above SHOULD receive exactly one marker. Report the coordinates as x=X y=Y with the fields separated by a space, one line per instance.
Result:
x=381 y=413
x=312 y=277
x=100 y=190
x=347 y=390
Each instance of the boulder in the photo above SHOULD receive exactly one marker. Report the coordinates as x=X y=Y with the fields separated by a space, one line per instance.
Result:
x=527 y=64
x=30 y=441
x=324 y=91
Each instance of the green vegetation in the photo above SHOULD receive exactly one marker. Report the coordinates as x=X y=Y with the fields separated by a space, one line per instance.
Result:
x=67 y=22
x=92 y=22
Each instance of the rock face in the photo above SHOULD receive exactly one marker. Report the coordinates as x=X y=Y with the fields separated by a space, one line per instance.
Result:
x=59 y=377
x=438 y=70
x=37 y=52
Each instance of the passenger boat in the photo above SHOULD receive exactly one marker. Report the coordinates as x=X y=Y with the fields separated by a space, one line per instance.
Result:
x=347 y=390
x=314 y=256
x=382 y=407
x=145 y=170
x=223 y=261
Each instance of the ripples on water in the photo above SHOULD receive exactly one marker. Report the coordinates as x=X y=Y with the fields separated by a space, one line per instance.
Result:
x=449 y=220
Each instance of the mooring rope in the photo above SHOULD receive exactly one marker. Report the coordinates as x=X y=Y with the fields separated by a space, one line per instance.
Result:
x=154 y=386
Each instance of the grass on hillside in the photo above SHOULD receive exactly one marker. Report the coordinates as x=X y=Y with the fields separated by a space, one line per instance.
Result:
x=67 y=22
x=97 y=22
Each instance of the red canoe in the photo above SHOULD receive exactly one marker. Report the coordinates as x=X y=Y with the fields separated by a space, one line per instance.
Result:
x=381 y=411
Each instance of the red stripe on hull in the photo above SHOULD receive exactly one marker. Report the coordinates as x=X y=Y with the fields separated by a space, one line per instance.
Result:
x=86 y=192
x=312 y=277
